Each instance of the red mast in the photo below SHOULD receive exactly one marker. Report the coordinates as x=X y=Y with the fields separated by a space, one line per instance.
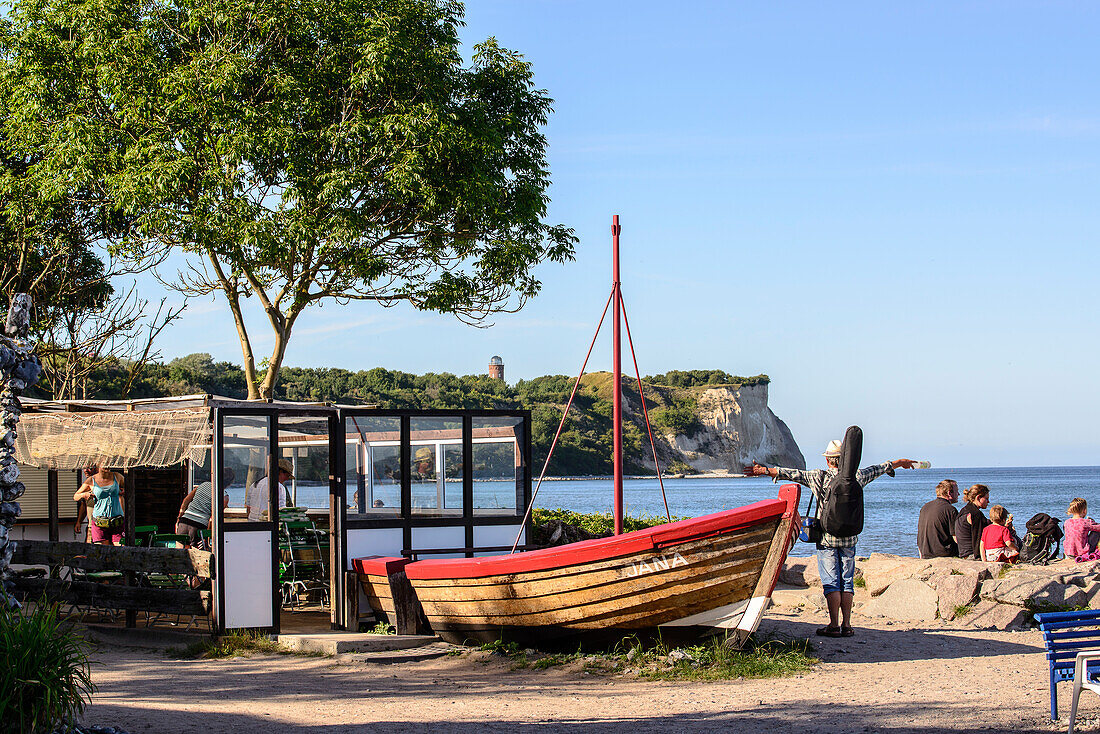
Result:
x=617 y=384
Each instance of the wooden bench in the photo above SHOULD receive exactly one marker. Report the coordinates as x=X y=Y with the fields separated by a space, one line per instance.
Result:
x=1064 y=635
x=133 y=564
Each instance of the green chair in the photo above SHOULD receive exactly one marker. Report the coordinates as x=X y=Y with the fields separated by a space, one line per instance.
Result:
x=143 y=535
x=302 y=567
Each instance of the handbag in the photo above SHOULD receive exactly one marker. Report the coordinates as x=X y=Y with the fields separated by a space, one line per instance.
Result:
x=810 y=529
x=110 y=523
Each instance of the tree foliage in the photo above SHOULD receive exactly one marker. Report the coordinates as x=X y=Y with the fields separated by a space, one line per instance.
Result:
x=298 y=151
x=584 y=447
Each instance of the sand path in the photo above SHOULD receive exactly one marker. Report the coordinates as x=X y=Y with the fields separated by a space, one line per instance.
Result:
x=892 y=677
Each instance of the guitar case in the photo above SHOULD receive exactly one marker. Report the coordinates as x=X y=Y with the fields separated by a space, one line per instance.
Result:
x=842 y=509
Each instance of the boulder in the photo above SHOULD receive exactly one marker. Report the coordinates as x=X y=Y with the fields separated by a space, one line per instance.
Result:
x=988 y=614
x=1092 y=595
x=800 y=572
x=905 y=599
x=963 y=566
x=880 y=570
x=954 y=591
x=1019 y=588
x=1075 y=597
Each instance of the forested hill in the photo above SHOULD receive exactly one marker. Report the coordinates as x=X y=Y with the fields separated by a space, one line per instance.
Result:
x=585 y=445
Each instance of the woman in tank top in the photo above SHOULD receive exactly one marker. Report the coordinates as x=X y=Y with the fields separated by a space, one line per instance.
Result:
x=971 y=522
x=103 y=491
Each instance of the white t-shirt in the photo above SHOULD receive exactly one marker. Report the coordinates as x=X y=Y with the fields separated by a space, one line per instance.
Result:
x=256 y=499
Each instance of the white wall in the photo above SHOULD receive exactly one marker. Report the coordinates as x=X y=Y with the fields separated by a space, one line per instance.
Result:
x=453 y=537
x=497 y=535
x=247 y=584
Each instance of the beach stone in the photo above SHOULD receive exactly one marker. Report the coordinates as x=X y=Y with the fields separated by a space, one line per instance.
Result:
x=880 y=570
x=962 y=566
x=800 y=572
x=988 y=614
x=955 y=591
x=906 y=599
x=1075 y=597
x=1019 y=588
x=1092 y=595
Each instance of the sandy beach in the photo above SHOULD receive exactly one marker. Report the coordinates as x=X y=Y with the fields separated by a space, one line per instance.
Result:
x=890 y=677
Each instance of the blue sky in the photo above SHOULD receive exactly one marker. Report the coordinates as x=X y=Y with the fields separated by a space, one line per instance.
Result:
x=891 y=209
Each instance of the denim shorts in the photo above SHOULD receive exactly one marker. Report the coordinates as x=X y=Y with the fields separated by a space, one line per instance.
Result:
x=837 y=568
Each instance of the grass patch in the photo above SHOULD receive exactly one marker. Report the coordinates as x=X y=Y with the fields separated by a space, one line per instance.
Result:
x=45 y=678
x=861 y=583
x=955 y=572
x=714 y=660
x=383 y=629
x=237 y=644
x=1005 y=570
x=963 y=609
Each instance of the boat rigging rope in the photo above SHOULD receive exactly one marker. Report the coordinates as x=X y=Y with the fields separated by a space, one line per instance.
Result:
x=615 y=291
x=565 y=413
x=645 y=411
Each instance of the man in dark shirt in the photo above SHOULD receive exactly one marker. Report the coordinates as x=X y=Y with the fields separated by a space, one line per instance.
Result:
x=936 y=524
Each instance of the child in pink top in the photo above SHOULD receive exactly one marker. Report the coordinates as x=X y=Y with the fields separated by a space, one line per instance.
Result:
x=1078 y=528
x=997 y=543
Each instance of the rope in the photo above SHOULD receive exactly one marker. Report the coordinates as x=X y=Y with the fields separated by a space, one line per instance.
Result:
x=564 y=414
x=645 y=411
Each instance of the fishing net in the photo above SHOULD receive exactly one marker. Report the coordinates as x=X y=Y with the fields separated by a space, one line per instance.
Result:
x=117 y=439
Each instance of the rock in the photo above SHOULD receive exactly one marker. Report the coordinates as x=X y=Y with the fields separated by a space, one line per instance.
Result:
x=963 y=566
x=800 y=572
x=1092 y=595
x=906 y=599
x=955 y=591
x=1019 y=588
x=1075 y=597
x=989 y=614
x=678 y=655
x=882 y=569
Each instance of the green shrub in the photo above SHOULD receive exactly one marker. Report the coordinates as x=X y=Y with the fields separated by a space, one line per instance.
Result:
x=597 y=523
x=45 y=678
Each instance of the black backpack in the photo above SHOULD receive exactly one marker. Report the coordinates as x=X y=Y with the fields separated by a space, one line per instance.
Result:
x=842 y=507
x=1041 y=544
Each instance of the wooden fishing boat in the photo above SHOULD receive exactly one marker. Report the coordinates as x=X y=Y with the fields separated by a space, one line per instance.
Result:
x=715 y=571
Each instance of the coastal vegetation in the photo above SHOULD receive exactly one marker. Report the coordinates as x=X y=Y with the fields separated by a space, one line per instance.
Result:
x=709 y=659
x=584 y=447
x=45 y=681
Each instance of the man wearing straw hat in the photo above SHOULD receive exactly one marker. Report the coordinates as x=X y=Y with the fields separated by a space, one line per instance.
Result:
x=836 y=556
x=256 y=496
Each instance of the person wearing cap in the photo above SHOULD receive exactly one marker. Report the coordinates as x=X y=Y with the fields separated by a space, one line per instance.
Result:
x=256 y=496
x=836 y=556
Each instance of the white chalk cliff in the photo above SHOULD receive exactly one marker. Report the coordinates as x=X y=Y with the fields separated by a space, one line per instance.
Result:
x=736 y=427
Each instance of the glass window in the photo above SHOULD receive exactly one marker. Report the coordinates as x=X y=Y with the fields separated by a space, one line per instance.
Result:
x=435 y=468
x=498 y=465
x=245 y=453
x=373 y=465
x=304 y=465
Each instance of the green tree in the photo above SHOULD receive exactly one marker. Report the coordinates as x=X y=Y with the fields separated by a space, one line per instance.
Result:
x=298 y=151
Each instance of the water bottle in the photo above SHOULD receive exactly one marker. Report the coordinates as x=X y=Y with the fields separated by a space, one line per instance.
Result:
x=922 y=465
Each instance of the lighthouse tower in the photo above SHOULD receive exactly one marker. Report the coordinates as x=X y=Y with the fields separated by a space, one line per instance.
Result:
x=496 y=368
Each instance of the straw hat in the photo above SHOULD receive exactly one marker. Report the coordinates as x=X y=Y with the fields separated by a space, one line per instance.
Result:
x=833 y=449
x=284 y=465
x=423 y=453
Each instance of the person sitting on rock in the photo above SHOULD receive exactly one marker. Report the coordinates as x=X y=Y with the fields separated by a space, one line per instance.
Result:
x=936 y=523
x=971 y=522
x=1081 y=532
x=997 y=543
x=836 y=556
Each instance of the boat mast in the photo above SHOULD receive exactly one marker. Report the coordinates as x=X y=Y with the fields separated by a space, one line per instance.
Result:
x=617 y=383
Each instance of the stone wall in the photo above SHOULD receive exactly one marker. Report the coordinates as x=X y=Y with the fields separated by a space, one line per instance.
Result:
x=968 y=593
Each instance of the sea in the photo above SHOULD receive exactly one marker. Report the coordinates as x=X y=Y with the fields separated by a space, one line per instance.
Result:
x=891 y=504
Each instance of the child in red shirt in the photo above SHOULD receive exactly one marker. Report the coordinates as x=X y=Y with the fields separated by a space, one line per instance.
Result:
x=997 y=543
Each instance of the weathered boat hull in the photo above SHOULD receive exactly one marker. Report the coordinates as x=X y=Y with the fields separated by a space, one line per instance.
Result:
x=713 y=571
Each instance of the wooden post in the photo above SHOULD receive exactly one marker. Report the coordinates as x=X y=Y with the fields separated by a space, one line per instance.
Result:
x=351 y=601
x=129 y=513
x=52 y=502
